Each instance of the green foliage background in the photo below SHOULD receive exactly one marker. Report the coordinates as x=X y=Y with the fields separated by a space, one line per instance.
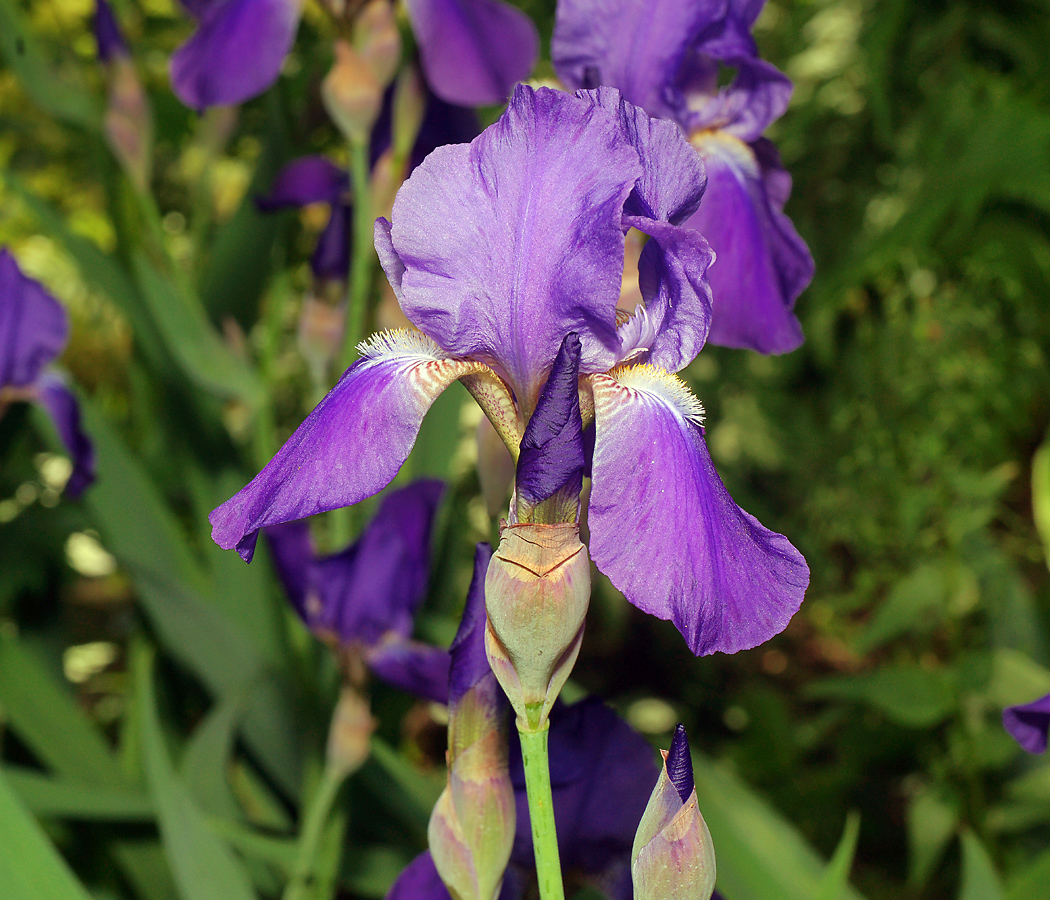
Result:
x=164 y=718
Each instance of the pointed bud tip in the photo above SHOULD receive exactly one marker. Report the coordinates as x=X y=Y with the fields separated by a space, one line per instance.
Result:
x=679 y=763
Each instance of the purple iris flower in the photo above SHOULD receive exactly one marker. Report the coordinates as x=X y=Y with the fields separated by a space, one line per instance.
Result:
x=316 y=179
x=1029 y=724
x=366 y=595
x=34 y=329
x=498 y=250
x=472 y=51
x=665 y=56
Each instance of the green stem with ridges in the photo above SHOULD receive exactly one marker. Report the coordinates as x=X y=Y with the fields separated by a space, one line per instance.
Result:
x=318 y=813
x=541 y=811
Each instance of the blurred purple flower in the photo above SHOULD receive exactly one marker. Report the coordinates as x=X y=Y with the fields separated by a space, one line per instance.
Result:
x=108 y=36
x=236 y=52
x=34 y=329
x=501 y=248
x=666 y=56
x=316 y=179
x=366 y=595
x=1029 y=724
x=472 y=51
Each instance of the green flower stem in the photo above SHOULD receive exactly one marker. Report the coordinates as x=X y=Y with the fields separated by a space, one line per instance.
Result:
x=311 y=843
x=362 y=254
x=541 y=811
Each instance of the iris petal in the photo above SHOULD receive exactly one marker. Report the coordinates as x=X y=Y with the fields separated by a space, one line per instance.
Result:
x=61 y=405
x=236 y=52
x=473 y=51
x=501 y=248
x=762 y=264
x=33 y=326
x=694 y=557
x=1029 y=724
x=351 y=445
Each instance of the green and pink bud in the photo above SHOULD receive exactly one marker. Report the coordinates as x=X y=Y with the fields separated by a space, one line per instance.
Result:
x=673 y=857
x=471 y=829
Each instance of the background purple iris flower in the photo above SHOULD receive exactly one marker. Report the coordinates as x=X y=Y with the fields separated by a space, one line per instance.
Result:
x=498 y=250
x=1029 y=724
x=472 y=51
x=34 y=329
x=367 y=595
x=666 y=56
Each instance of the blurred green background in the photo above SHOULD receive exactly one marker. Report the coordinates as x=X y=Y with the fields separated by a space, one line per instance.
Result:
x=158 y=702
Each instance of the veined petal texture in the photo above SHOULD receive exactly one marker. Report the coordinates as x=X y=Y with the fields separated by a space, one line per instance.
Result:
x=473 y=51
x=693 y=556
x=33 y=325
x=236 y=52
x=351 y=445
x=502 y=247
x=636 y=47
x=762 y=264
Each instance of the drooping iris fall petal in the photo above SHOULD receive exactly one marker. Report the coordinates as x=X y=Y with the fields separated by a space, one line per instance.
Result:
x=61 y=405
x=350 y=446
x=694 y=556
x=762 y=264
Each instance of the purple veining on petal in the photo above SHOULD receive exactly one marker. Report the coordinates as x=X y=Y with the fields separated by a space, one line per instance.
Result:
x=518 y=234
x=695 y=558
x=309 y=179
x=108 y=36
x=412 y=667
x=473 y=52
x=1029 y=723
x=34 y=326
x=636 y=47
x=762 y=264
x=350 y=446
x=56 y=397
x=469 y=662
x=419 y=881
x=552 y=453
x=590 y=748
x=236 y=52
x=679 y=763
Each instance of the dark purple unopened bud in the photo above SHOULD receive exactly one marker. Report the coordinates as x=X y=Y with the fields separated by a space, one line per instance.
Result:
x=1029 y=724
x=552 y=456
x=111 y=43
x=469 y=662
x=679 y=763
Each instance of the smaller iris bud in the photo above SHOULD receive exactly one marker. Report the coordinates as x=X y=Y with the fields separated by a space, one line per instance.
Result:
x=350 y=733
x=673 y=856
x=378 y=40
x=471 y=830
x=128 y=121
x=351 y=93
